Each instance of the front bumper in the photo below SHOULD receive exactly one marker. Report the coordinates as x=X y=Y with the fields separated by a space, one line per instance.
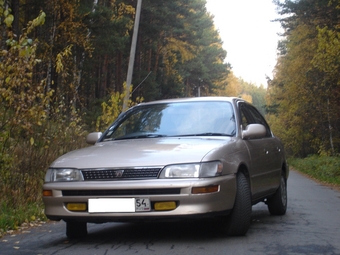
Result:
x=159 y=190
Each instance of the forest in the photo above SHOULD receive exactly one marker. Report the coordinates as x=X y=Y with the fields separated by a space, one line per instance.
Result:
x=303 y=97
x=63 y=69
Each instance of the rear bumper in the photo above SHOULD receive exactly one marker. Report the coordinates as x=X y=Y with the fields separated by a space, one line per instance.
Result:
x=188 y=205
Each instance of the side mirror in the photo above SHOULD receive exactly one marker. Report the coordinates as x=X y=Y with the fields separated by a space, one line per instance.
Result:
x=92 y=138
x=254 y=131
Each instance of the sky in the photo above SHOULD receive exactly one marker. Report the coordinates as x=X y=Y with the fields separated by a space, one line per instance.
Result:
x=248 y=35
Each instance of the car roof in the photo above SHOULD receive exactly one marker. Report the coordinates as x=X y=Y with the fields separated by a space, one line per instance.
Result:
x=194 y=99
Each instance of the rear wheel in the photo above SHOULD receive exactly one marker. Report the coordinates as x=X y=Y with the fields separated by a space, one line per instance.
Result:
x=238 y=222
x=277 y=204
x=76 y=229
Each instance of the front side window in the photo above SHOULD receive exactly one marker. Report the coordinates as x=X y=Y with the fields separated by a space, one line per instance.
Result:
x=249 y=115
x=175 y=119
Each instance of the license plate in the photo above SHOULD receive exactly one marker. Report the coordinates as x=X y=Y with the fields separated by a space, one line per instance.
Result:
x=142 y=205
x=106 y=205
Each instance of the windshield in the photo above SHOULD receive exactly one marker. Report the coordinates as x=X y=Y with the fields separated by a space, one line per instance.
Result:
x=175 y=119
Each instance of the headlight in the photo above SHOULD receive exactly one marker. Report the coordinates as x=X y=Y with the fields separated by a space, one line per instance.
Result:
x=63 y=175
x=210 y=169
x=181 y=171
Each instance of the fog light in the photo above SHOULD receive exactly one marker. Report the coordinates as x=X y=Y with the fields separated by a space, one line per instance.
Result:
x=47 y=193
x=204 y=190
x=165 y=206
x=78 y=207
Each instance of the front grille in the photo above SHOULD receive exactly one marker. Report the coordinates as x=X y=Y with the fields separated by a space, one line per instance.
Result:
x=117 y=174
x=126 y=192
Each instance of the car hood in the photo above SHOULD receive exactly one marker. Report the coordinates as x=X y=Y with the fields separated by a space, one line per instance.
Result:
x=142 y=152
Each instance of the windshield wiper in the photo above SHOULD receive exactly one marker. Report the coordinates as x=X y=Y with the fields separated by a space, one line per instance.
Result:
x=208 y=134
x=139 y=136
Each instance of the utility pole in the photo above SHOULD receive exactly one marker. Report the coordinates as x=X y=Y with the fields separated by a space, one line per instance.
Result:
x=132 y=55
x=199 y=87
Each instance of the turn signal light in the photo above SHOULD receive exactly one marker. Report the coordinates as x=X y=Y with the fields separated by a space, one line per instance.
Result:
x=165 y=206
x=204 y=190
x=47 y=193
x=76 y=207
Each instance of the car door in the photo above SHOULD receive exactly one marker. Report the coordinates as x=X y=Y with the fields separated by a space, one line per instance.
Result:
x=264 y=153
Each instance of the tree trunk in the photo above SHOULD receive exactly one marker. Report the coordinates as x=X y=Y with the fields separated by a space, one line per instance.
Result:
x=119 y=73
x=330 y=128
x=16 y=14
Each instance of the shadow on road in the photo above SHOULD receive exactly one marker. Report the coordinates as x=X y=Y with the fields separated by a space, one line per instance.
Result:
x=200 y=230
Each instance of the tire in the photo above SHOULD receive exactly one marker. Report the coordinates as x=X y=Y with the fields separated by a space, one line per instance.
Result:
x=238 y=222
x=277 y=204
x=76 y=229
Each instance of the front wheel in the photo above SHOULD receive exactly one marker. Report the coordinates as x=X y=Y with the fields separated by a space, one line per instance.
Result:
x=238 y=222
x=277 y=204
x=76 y=229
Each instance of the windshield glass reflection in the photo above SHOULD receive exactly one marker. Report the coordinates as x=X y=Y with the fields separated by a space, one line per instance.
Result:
x=175 y=119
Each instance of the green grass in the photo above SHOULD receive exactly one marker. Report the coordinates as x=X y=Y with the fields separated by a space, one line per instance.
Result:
x=12 y=219
x=323 y=168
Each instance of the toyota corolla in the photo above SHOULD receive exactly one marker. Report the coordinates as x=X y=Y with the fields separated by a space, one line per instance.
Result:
x=178 y=159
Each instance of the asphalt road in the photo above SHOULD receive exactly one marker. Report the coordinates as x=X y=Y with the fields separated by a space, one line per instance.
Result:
x=311 y=226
